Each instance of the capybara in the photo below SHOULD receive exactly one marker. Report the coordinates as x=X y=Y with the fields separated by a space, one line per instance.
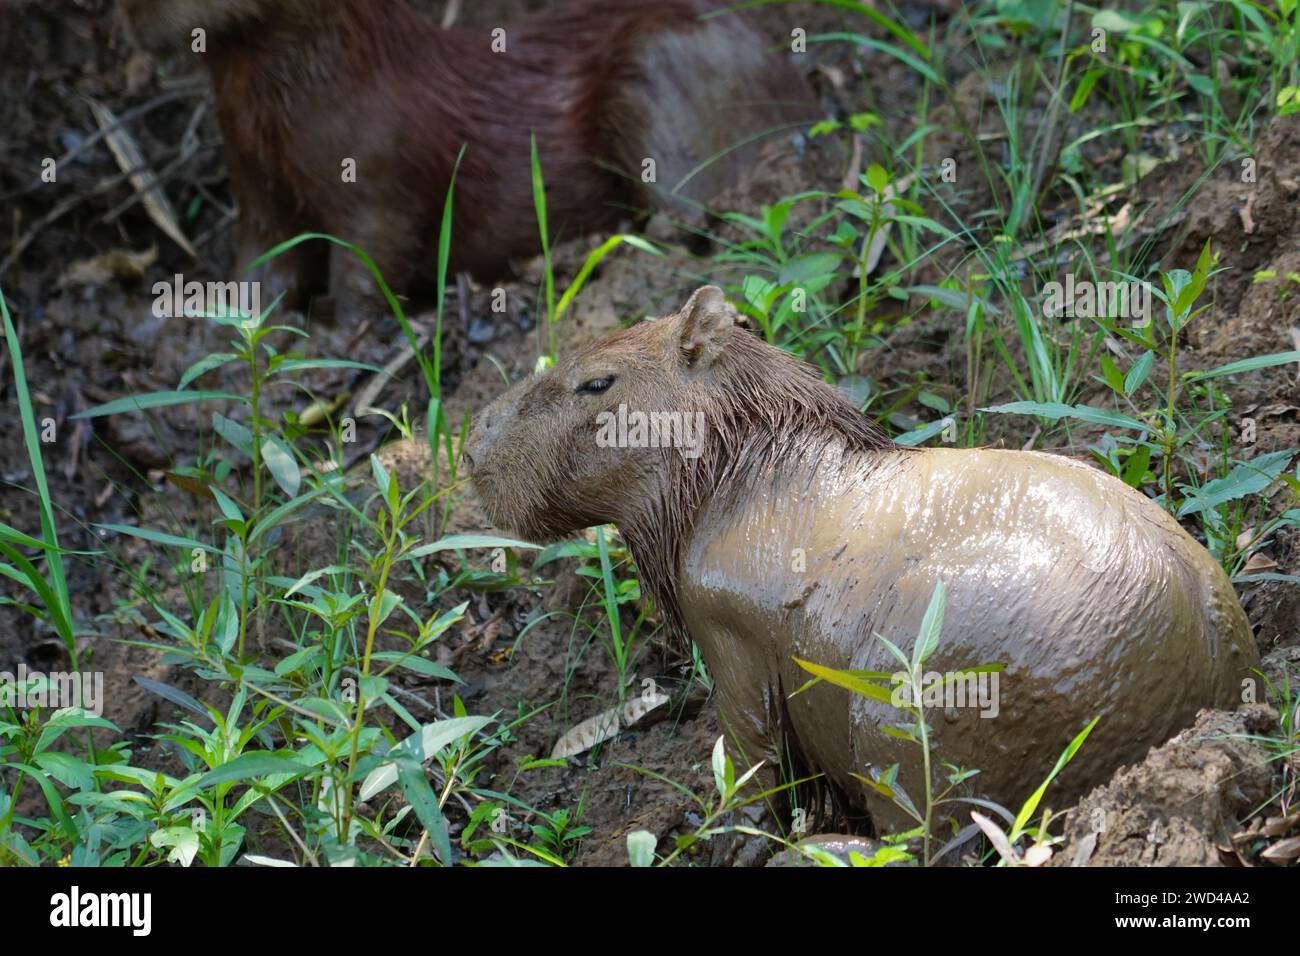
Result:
x=782 y=523
x=346 y=116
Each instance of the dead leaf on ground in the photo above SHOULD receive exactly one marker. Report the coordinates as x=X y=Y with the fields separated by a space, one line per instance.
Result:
x=595 y=730
x=1258 y=562
x=1286 y=851
x=131 y=159
x=104 y=268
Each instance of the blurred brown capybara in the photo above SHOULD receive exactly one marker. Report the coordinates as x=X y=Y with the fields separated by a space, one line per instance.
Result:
x=770 y=520
x=346 y=116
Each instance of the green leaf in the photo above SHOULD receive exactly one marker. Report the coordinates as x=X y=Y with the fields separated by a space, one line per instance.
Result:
x=252 y=766
x=928 y=638
x=425 y=804
x=183 y=841
x=1135 y=468
x=227 y=505
x=384 y=605
x=458 y=542
x=1031 y=804
x=814 y=265
x=160 y=537
x=1138 y=373
x=1111 y=374
x=922 y=433
x=1247 y=478
x=877 y=178
x=297 y=365
x=1245 y=365
x=58 y=604
x=641 y=848
x=433 y=738
x=382 y=478
x=1117 y=21
x=1057 y=410
x=721 y=767
x=205 y=364
x=14 y=536
x=274 y=517
x=173 y=694
x=135 y=403
x=848 y=680
x=280 y=463
x=237 y=435
x=593 y=259
x=69 y=718
x=297 y=660
x=1082 y=91
x=67 y=769
x=420 y=665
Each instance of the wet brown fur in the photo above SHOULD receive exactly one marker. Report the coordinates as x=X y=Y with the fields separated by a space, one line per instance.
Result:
x=762 y=407
x=303 y=84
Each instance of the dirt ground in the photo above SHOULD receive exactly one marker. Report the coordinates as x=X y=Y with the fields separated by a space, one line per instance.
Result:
x=89 y=336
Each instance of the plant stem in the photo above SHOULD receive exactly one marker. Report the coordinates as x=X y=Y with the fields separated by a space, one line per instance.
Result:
x=372 y=626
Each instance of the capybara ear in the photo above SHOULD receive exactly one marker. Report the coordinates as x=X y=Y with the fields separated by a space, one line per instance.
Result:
x=703 y=325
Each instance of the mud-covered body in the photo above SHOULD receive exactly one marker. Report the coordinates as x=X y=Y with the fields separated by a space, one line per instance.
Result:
x=1096 y=601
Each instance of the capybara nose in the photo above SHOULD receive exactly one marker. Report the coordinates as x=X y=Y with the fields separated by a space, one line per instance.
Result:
x=467 y=459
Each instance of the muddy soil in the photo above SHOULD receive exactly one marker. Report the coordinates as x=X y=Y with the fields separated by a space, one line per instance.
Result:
x=77 y=261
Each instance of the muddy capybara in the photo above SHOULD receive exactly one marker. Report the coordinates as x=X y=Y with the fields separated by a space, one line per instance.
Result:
x=782 y=523
x=310 y=93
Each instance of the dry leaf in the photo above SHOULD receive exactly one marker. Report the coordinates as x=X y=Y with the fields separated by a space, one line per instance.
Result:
x=319 y=411
x=114 y=264
x=1247 y=220
x=1037 y=855
x=1284 y=852
x=996 y=837
x=1273 y=411
x=1279 y=826
x=1259 y=562
x=199 y=489
x=490 y=631
x=598 y=729
x=130 y=158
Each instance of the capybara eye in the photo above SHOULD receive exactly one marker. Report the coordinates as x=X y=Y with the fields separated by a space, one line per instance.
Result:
x=595 y=386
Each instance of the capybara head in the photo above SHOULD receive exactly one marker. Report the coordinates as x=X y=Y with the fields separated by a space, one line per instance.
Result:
x=639 y=428
x=540 y=462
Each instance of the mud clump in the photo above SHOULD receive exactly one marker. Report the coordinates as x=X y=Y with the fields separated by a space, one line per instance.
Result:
x=1186 y=798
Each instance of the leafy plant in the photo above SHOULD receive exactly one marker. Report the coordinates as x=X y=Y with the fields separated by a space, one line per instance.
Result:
x=885 y=688
x=1157 y=435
